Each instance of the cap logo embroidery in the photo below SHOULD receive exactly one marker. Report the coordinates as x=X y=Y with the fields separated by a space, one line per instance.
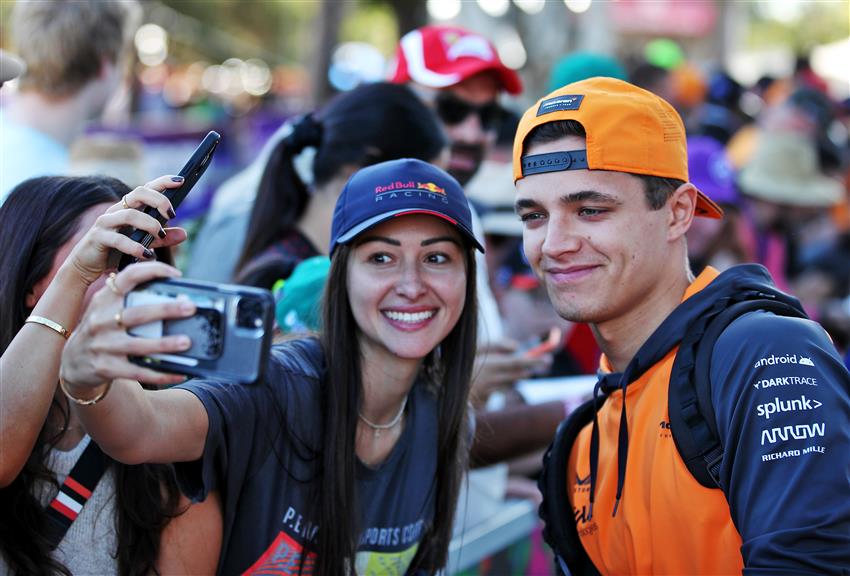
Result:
x=397 y=185
x=469 y=46
x=558 y=103
x=431 y=187
x=410 y=189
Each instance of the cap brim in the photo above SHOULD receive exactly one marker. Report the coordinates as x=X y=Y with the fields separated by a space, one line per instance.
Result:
x=508 y=78
x=706 y=207
x=375 y=220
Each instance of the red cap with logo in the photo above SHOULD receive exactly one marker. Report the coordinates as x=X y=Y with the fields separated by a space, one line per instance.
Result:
x=442 y=56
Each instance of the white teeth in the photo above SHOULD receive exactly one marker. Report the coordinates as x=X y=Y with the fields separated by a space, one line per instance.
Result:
x=411 y=318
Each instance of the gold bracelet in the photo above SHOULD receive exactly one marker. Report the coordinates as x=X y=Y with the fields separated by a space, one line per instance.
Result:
x=55 y=326
x=80 y=401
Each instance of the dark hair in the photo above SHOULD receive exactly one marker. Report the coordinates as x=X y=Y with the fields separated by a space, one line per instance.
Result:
x=37 y=219
x=657 y=190
x=648 y=76
x=372 y=123
x=447 y=370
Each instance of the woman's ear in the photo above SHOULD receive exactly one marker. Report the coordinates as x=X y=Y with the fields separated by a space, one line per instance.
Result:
x=30 y=300
x=681 y=205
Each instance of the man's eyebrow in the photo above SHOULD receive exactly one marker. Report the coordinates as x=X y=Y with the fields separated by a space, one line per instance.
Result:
x=379 y=239
x=574 y=197
x=523 y=203
x=438 y=239
x=591 y=196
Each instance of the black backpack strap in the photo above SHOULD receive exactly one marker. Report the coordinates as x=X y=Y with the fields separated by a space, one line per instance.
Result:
x=74 y=493
x=559 y=528
x=692 y=418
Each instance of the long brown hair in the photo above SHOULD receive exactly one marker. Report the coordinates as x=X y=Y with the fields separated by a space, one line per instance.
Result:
x=447 y=369
x=37 y=219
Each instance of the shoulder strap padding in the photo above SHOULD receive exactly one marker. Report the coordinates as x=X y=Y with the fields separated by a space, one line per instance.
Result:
x=559 y=529
x=692 y=419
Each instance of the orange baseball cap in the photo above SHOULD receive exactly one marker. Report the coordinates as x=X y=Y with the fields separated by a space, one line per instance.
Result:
x=629 y=129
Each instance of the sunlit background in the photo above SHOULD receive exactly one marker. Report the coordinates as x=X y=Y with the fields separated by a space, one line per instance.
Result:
x=247 y=66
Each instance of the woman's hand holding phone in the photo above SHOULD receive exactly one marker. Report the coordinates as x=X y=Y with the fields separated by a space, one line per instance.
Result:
x=90 y=257
x=97 y=351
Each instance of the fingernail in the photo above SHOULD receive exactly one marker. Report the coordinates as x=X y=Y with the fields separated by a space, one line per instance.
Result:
x=148 y=253
x=162 y=233
x=187 y=307
x=177 y=178
x=171 y=213
x=183 y=342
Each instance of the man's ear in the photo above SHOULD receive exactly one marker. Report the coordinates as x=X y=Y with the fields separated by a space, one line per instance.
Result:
x=681 y=205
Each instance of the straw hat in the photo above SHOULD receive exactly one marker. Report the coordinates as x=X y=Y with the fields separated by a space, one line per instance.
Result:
x=784 y=169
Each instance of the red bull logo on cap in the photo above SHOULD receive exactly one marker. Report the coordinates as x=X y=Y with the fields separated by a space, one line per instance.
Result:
x=410 y=189
x=397 y=185
x=431 y=187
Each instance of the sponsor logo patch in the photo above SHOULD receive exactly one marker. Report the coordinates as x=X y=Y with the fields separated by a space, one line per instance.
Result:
x=793 y=453
x=431 y=187
x=785 y=381
x=410 y=189
x=777 y=406
x=793 y=432
x=773 y=360
x=565 y=102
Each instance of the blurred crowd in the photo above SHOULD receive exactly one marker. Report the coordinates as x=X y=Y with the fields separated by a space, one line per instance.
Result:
x=774 y=155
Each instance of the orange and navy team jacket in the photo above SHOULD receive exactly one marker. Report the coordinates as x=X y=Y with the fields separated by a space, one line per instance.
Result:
x=782 y=401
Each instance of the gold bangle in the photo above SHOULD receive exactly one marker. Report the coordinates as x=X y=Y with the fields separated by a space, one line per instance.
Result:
x=55 y=326
x=80 y=401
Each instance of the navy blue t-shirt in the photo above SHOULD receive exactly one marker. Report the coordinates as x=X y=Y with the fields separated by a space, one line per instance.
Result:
x=262 y=454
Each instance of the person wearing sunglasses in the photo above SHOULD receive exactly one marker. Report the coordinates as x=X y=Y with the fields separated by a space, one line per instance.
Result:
x=460 y=73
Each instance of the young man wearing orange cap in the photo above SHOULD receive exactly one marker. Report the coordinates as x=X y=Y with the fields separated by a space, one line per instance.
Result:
x=602 y=189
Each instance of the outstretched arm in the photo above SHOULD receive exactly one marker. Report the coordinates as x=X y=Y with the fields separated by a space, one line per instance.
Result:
x=131 y=424
x=28 y=382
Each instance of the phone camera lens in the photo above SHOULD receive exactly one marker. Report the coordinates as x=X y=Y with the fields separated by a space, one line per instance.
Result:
x=249 y=313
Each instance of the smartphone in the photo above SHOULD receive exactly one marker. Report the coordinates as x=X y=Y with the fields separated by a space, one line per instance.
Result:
x=191 y=172
x=230 y=331
x=545 y=345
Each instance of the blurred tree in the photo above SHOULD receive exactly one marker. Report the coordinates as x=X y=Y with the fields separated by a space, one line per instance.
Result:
x=277 y=32
x=800 y=25
x=410 y=14
x=374 y=23
x=327 y=36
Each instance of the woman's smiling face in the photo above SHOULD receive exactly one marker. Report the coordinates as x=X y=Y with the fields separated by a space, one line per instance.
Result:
x=407 y=285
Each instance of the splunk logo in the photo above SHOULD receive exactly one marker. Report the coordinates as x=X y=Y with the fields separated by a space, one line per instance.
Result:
x=773 y=360
x=796 y=432
x=776 y=406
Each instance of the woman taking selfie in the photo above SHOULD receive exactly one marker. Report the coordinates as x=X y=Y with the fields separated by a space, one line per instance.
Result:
x=347 y=456
x=55 y=235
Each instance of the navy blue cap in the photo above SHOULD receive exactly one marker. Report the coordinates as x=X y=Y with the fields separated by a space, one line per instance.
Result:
x=395 y=188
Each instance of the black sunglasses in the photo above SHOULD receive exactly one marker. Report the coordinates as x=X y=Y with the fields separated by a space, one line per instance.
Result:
x=452 y=110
